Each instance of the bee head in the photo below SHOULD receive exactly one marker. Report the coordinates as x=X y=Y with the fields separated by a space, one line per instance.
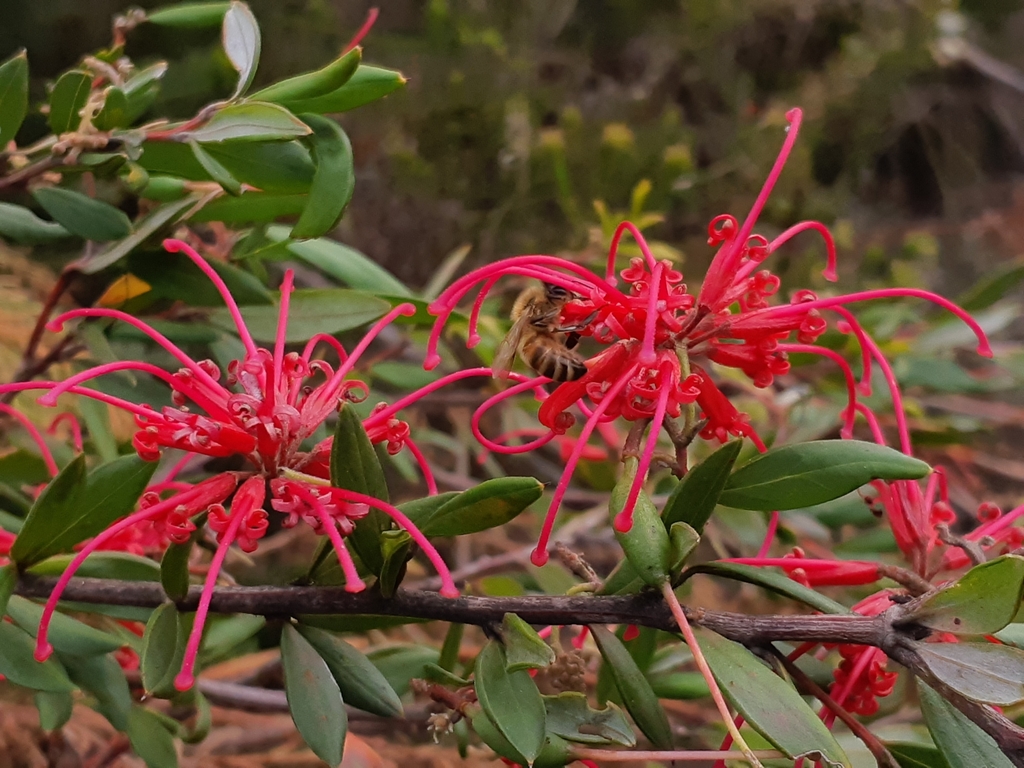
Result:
x=556 y=293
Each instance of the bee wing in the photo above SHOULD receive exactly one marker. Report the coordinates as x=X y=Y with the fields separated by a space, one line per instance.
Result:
x=505 y=355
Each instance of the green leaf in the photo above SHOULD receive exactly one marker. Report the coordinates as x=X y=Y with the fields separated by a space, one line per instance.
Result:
x=355 y=467
x=122 y=566
x=54 y=709
x=203 y=720
x=225 y=634
x=916 y=755
x=103 y=678
x=313 y=697
x=986 y=672
x=65 y=634
x=142 y=88
x=646 y=544
x=361 y=683
x=344 y=264
x=240 y=36
x=312 y=84
x=333 y=182
x=570 y=717
x=962 y=743
x=680 y=685
x=67 y=98
x=511 y=701
x=272 y=166
x=13 y=95
x=163 y=649
x=634 y=690
x=401 y=663
x=114 y=113
x=493 y=738
x=993 y=286
x=696 y=496
x=18 y=664
x=421 y=510
x=218 y=172
x=22 y=226
x=768 y=703
x=168 y=213
x=806 y=474
x=251 y=207
x=188 y=14
x=524 y=648
x=438 y=674
x=249 y=121
x=684 y=541
x=73 y=507
x=86 y=217
x=771 y=580
x=489 y=505
x=312 y=311
x=174 y=566
x=366 y=85
x=150 y=739
x=982 y=601
x=8 y=582
x=395 y=550
x=50 y=506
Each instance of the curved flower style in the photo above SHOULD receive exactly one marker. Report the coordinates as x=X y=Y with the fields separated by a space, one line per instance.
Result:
x=661 y=339
x=262 y=411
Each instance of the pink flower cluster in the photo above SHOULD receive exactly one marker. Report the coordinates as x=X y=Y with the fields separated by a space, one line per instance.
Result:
x=269 y=403
x=660 y=340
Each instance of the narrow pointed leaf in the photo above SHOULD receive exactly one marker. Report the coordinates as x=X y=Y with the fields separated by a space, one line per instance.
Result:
x=395 y=549
x=634 y=690
x=342 y=263
x=174 y=576
x=240 y=36
x=511 y=701
x=420 y=510
x=524 y=648
x=910 y=755
x=103 y=679
x=493 y=738
x=366 y=85
x=71 y=509
x=67 y=98
x=8 y=581
x=333 y=182
x=123 y=566
x=189 y=14
x=986 y=672
x=167 y=213
x=355 y=467
x=962 y=743
x=251 y=206
x=696 y=496
x=217 y=172
x=249 y=121
x=225 y=634
x=22 y=226
x=313 y=697
x=571 y=717
x=13 y=95
x=313 y=84
x=312 y=311
x=66 y=634
x=768 y=703
x=163 y=649
x=806 y=474
x=362 y=685
x=86 y=217
x=489 y=505
x=19 y=666
x=770 y=579
x=982 y=601
x=150 y=740
x=54 y=709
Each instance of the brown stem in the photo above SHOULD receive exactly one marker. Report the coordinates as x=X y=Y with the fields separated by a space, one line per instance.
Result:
x=877 y=748
x=915 y=584
x=681 y=439
x=26 y=173
x=631 y=445
x=30 y=366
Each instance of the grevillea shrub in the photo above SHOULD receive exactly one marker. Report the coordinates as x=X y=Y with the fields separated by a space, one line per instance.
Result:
x=225 y=404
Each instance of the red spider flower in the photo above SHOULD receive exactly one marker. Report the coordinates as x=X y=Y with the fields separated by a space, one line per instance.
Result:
x=661 y=339
x=264 y=409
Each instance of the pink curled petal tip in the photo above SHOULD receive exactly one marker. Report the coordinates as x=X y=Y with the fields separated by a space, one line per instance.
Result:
x=623 y=522
x=539 y=557
x=355 y=587
x=55 y=326
x=984 y=348
x=172 y=244
x=430 y=362
x=449 y=592
x=183 y=681
x=864 y=388
x=43 y=652
x=794 y=114
x=473 y=340
x=829 y=273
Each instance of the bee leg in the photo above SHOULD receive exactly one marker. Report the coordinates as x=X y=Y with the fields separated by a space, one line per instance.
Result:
x=572 y=340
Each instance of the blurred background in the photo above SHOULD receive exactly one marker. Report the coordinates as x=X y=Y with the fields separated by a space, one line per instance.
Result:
x=534 y=126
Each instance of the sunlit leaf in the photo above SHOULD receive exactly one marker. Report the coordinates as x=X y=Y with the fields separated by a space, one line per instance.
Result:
x=240 y=36
x=189 y=14
x=982 y=601
x=67 y=98
x=13 y=95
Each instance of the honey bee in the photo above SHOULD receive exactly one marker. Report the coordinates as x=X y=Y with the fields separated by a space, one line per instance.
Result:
x=538 y=339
